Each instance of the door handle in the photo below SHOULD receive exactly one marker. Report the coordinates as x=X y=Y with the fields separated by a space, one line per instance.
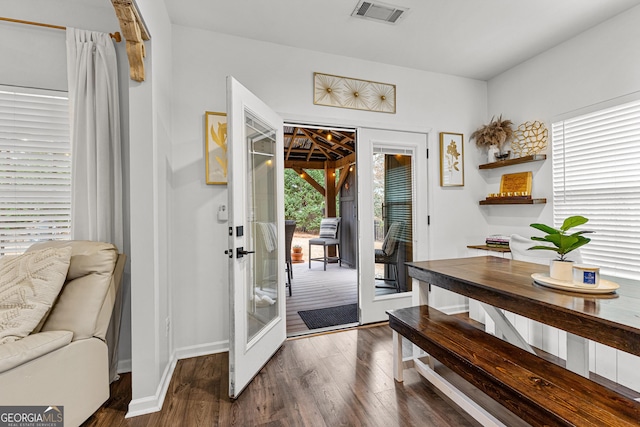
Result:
x=240 y=252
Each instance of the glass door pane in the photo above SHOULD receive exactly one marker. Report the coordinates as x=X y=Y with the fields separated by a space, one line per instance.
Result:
x=393 y=219
x=262 y=306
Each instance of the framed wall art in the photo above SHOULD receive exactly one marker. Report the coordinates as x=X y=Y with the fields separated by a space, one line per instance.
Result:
x=216 y=147
x=451 y=159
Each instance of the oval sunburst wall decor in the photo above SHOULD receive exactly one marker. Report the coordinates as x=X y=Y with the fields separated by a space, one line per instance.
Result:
x=530 y=138
x=344 y=92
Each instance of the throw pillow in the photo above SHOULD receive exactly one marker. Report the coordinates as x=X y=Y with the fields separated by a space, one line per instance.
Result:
x=329 y=228
x=29 y=285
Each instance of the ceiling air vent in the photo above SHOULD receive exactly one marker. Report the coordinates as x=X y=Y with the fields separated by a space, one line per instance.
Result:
x=379 y=11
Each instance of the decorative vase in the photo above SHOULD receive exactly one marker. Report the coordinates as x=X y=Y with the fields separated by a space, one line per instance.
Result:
x=492 y=152
x=561 y=270
x=296 y=256
x=297 y=250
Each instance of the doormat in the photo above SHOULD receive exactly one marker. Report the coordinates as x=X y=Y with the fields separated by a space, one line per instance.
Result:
x=330 y=316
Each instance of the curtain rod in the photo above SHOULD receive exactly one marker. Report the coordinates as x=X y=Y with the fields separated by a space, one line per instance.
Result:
x=116 y=36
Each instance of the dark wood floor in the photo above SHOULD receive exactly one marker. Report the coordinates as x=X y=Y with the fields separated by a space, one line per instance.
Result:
x=343 y=378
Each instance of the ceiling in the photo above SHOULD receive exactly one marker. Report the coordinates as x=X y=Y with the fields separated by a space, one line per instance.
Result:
x=471 y=38
x=310 y=148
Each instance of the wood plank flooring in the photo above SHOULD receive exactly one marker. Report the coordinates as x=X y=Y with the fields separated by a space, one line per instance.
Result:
x=343 y=378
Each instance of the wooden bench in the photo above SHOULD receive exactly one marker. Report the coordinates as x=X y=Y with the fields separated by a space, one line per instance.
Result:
x=539 y=392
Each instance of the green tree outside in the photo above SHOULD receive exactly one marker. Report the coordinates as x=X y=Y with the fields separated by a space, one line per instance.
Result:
x=302 y=202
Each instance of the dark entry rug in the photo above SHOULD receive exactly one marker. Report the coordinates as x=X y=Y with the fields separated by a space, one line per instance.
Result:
x=330 y=316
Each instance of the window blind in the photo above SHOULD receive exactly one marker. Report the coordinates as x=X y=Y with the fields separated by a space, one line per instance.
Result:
x=35 y=168
x=596 y=174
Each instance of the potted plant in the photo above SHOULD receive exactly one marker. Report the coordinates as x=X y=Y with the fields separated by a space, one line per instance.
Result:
x=563 y=243
x=296 y=253
x=493 y=136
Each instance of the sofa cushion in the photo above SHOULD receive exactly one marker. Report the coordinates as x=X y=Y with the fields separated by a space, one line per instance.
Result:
x=29 y=284
x=16 y=353
x=90 y=273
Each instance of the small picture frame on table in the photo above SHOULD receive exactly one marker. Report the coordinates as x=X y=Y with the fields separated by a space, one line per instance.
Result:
x=451 y=159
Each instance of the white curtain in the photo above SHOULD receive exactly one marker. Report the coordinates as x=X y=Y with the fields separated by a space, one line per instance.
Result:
x=96 y=201
x=96 y=186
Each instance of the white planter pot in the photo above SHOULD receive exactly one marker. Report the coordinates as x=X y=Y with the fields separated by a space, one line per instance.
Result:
x=491 y=153
x=561 y=270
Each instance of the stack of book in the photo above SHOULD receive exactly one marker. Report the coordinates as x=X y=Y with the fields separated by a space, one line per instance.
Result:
x=497 y=241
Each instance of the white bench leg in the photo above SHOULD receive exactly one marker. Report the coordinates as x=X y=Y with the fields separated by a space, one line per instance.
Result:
x=397 y=357
x=578 y=354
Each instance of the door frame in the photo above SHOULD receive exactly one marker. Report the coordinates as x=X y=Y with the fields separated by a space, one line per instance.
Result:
x=373 y=307
x=421 y=251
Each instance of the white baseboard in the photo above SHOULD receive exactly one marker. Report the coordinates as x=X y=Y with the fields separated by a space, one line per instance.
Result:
x=454 y=309
x=150 y=404
x=201 y=350
x=124 y=366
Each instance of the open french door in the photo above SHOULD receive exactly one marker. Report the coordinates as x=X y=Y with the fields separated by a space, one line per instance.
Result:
x=392 y=196
x=256 y=234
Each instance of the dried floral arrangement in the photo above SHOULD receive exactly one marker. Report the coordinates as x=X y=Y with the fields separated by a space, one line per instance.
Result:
x=497 y=132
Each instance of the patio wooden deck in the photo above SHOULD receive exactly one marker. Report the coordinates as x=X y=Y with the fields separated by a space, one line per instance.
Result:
x=315 y=288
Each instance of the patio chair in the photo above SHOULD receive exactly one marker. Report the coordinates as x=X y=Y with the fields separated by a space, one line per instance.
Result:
x=388 y=255
x=329 y=236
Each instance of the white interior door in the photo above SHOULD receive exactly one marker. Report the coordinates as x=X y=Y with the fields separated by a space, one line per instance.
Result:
x=256 y=234
x=392 y=198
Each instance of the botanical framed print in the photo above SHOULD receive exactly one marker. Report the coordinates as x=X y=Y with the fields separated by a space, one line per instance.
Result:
x=216 y=147
x=451 y=159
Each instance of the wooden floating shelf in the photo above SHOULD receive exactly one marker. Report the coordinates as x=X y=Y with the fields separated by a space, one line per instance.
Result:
x=517 y=161
x=489 y=248
x=512 y=201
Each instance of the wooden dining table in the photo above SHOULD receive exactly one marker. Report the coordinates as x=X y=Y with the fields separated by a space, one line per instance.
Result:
x=611 y=319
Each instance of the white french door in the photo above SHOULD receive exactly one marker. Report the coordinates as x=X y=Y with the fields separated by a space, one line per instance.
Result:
x=392 y=200
x=256 y=235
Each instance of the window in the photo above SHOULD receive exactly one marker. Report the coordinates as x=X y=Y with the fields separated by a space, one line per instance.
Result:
x=596 y=173
x=35 y=168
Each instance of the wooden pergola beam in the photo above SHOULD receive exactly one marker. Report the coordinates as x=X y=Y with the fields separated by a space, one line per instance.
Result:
x=134 y=32
x=301 y=164
x=344 y=174
x=293 y=138
x=310 y=180
x=345 y=161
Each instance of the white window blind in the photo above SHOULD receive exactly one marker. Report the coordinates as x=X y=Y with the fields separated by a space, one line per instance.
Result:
x=596 y=173
x=35 y=168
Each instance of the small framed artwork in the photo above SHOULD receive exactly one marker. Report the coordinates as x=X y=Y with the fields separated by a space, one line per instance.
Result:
x=216 y=147
x=451 y=159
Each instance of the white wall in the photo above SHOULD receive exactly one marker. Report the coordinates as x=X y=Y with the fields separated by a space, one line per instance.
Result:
x=150 y=150
x=283 y=78
x=600 y=65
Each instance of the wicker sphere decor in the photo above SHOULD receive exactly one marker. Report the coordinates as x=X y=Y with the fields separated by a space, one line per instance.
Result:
x=530 y=138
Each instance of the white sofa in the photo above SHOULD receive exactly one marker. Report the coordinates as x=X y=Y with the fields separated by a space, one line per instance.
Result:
x=66 y=363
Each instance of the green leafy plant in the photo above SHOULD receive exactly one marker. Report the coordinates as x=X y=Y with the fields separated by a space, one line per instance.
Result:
x=563 y=242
